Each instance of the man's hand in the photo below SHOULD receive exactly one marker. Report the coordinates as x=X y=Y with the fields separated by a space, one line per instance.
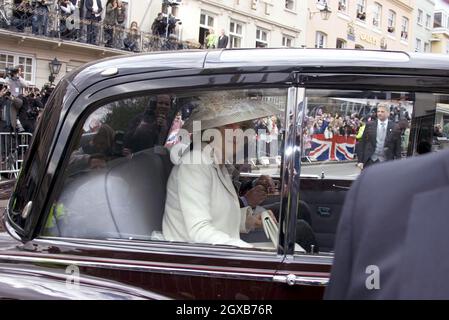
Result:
x=360 y=165
x=256 y=195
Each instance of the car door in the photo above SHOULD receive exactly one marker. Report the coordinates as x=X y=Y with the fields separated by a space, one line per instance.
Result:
x=331 y=111
x=104 y=213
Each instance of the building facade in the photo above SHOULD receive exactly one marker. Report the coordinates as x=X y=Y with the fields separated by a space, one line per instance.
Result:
x=406 y=25
x=248 y=23
x=440 y=32
x=361 y=24
x=423 y=21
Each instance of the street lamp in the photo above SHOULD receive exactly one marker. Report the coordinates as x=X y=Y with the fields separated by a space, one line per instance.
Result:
x=324 y=11
x=55 y=67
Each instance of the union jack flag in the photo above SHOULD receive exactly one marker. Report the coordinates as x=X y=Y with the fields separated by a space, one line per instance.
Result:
x=337 y=148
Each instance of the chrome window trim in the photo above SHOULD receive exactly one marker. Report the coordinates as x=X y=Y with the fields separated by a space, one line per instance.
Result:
x=160 y=247
x=181 y=248
x=295 y=109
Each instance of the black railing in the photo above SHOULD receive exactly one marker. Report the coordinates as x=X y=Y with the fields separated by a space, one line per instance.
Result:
x=54 y=24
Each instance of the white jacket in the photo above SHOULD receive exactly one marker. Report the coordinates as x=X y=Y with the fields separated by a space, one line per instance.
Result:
x=202 y=206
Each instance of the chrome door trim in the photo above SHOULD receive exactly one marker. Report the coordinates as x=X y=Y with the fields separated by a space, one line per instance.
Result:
x=294 y=115
x=174 y=269
x=294 y=280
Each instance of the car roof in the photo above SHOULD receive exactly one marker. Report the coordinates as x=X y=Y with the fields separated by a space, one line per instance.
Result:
x=268 y=59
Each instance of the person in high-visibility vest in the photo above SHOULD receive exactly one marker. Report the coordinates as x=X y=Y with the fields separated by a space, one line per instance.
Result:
x=54 y=218
x=359 y=135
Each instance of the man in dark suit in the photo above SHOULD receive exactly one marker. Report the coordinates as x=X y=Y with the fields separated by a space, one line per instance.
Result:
x=93 y=16
x=393 y=233
x=222 y=40
x=381 y=140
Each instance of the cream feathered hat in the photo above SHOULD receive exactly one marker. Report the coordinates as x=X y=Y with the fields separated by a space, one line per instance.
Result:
x=219 y=109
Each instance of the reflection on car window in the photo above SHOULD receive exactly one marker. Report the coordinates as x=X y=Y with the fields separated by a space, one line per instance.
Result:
x=138 y=172
x=430 y=126
x=340 y=129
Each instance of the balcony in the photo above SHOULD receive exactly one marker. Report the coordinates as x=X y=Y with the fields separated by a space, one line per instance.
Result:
x=31 y=23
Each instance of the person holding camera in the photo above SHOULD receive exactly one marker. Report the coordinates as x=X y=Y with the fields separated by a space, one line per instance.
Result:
x=14 y=100
x=67 y=9
x=131 y=42
x=159 y=25
x=16 y=82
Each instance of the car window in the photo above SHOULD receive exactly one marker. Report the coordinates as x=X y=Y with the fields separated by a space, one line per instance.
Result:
x=430 y=125
x=335 y=122
x=200 y=167
x=341 y=129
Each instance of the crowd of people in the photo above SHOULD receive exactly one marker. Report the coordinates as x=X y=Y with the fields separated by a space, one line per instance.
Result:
x=91 y=22
x=330 y=124
x=20 y=103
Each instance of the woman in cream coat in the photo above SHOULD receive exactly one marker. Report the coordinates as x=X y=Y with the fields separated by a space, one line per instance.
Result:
x=202 y=205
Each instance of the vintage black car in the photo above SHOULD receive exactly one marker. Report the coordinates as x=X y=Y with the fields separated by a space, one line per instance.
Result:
x=85 y=220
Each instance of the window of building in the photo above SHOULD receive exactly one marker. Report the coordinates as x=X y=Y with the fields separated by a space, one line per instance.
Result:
x=391 y=21
x=428 y=20
x=341 y=43
x=27 y=64
x=404 y=28
x=236 y=34
x=8 y=60
x=426 y=46
x=361 y=10
x=438 y=20
x=418 y=45
x=268 y=8
x=377 y=15
x=320 y=40
x=287 y=41
x=254 y=4
x=261 y=38
x=342 y=5
x=420 y=17
x=207 y=22
x=290 y=4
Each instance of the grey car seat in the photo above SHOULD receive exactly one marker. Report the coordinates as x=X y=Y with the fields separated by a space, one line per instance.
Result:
x=124 y=200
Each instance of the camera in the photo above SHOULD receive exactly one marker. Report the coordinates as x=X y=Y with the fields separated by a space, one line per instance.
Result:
x=11 y=72
x=172 y=2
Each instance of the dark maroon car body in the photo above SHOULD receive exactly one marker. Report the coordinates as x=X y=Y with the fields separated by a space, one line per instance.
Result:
x=35 y=267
